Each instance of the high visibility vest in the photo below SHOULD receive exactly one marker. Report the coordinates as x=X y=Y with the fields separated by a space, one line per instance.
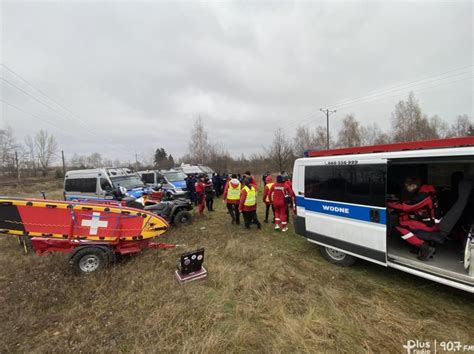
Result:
x=268 y=186
x=233 y=193
x=251 y=199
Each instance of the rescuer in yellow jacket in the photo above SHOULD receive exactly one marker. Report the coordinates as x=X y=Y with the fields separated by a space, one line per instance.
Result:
x=232 y=191
x=248 y=204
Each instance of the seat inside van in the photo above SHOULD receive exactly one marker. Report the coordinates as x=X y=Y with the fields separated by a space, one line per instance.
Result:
x=454 y=185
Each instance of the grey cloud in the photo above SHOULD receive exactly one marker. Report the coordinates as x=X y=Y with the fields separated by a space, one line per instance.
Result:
x=140 y=73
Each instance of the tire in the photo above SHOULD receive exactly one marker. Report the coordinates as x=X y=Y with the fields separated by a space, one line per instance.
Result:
x=89 y=260
x=183 y=218
x=337 y=257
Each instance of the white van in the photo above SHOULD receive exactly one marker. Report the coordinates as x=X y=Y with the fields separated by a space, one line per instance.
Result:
x=172 y=181
x=341 y=198
x=100 y=183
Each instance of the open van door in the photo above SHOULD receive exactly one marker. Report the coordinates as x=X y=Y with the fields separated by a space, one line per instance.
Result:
x=344 y=205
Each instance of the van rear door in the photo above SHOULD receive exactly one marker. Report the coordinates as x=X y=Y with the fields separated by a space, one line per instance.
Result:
x=344 y=203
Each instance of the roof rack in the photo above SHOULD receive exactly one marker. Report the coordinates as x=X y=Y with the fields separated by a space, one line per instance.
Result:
x=415 y=145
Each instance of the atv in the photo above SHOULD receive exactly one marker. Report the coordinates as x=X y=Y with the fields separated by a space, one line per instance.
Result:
x=175 y=211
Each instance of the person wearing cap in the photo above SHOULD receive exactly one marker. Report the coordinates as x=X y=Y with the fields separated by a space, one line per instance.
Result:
x=279 y=195
x=232 y=198
x=248 y=204
x=253 y=181
x=266 y=198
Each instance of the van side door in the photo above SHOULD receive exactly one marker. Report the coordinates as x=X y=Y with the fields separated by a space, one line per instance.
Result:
x=344 y=205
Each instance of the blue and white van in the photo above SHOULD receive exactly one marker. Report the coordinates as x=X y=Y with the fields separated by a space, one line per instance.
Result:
x=99 y=184
x=172 y=181
x=341 y=198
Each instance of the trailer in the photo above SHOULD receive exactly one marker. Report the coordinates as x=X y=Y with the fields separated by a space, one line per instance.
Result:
x=92 y=234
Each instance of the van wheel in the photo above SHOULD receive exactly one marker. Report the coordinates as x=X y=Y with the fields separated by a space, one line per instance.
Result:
x=89 y=260
x=337 y=257
x=183 y=218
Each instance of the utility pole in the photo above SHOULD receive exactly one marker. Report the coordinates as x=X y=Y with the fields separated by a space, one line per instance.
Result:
x=327 y=112
x=64 y=163
x=136 y=162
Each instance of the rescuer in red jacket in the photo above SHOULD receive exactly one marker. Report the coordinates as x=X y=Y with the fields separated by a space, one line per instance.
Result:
x=248 y=204
x=279 y=195
x=201 y=197
x=266 y=198
x=418 y=214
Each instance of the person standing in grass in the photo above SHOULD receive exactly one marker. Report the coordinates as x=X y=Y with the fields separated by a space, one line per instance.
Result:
x=248 y=204
x=200 y=194
x=279 y=194
x=266 y=198
x=232 y=198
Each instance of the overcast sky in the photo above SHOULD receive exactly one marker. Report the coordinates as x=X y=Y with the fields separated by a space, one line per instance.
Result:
x=135 y=75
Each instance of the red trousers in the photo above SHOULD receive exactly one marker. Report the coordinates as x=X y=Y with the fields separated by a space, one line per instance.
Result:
x=202 y=204
x=408 y=229
x=280 y=215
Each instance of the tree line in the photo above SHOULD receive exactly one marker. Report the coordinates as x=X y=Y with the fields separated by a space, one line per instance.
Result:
x=408 y=123
x=36 y=154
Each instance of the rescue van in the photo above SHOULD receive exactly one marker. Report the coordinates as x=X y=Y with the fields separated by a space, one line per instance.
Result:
x=99 y=184
x=343 y=198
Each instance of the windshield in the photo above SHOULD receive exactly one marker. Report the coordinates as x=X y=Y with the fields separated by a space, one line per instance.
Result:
x=175 y=176
x=128 y=182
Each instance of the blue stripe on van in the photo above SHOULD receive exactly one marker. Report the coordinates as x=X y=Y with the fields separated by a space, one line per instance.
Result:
x=356 y=212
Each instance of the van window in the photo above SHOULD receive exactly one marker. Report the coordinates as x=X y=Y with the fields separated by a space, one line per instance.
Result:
x=361 y=184
x=105 y=184
x=160 y=178
x=148 y=178
x=83 y=185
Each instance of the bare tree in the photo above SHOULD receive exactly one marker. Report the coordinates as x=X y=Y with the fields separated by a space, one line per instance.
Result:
x=8 y=146
x=280 y=152
x=31 y=153
x=218 y=157
x=320 y=139
x=462 y=127
x=350 y=133
x=439 y=127
x=46 y=147
x=373 y=135
x=94 y=160
x=302 y=141
x=408 y=122
x=198 y=145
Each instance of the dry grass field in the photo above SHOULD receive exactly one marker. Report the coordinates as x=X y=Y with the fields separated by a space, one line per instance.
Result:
x=266 y=292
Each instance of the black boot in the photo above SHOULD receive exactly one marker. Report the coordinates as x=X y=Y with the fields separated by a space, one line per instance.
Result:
x=426 y=251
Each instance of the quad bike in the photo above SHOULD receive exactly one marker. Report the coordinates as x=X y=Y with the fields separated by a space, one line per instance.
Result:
x=175 y=211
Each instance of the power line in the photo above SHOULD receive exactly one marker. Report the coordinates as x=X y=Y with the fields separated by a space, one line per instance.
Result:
x=125 y=149
x=28 y=113
x=372 y=99
x=390 y=88
x=400 y=94
x=401 y=88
